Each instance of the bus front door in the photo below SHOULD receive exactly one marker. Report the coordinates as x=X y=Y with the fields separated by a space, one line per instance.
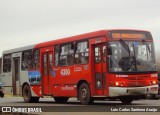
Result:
x=46 y=72
x=100 y=68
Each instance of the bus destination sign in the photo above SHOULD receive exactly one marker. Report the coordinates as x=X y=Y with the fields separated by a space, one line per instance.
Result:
x=129 y=35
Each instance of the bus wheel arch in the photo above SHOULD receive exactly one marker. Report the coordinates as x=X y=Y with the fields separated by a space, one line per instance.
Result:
x=78 y=85
x=27 y=95
x=23 y=86
x=26 y=92
x=84 y=92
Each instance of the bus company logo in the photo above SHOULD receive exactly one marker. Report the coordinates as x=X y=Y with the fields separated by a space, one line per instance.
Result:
x=98 y=40
x=68 y=87
x=6 y=109
x=121 y=75
x=85 y=67
x=77 y=69
x=65 y=72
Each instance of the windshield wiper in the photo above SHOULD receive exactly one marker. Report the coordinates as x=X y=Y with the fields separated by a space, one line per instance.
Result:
x=126 y=47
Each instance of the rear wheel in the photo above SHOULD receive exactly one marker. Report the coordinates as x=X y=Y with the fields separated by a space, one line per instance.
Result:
x=61 y=99
x=126 y=100
x=27 y=95
x=1 y=94
x=85 y=94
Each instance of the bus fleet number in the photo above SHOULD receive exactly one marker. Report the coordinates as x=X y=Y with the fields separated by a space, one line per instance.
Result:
x=65 y=72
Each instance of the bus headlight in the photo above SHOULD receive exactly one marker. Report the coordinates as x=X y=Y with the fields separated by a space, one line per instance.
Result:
x=154 y=82
x=118 y=83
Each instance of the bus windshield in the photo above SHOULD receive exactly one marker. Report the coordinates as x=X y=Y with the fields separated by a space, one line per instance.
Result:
x=131 y=56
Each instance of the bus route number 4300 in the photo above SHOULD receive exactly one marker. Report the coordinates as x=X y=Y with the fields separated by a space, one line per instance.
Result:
x=65 y=72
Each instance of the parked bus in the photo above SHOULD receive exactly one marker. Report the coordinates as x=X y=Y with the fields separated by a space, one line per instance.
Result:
x=97 y=65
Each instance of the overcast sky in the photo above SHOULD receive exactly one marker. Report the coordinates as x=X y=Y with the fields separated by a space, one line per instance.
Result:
x=26 y=22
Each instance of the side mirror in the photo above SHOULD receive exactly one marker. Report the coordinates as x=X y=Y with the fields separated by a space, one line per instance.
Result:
x=109 y=49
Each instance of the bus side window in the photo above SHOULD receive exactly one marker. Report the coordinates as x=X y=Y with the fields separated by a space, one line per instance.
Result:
x=97 y=56
x=7 y=63
x=104 y=54
x=36 y=59
x=26 y=60
x=50 y=63
x=56 y=56
x=82 y=53
x=67 y=55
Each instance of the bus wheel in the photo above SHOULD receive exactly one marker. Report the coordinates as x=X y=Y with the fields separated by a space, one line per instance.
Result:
x=27 y=95
x=85 y=94
x=61 y=99
x=126 y=100
x=1 y=94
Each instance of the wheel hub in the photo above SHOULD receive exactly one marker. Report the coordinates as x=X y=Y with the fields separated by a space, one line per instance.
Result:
x=84 y=93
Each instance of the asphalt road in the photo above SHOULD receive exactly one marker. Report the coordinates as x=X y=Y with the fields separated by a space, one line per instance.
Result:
x=18 y=101
x=49 y=105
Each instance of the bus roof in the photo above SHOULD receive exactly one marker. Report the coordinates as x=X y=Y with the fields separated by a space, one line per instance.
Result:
x=18 y=49
x=81 y=37
x=72 y=38
x=67 y=39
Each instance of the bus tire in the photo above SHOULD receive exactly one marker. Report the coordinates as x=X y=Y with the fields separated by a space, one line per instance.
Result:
x=153 y=96
x=27 y=95
x=126 y=100
x=61 y=99
x=1 y=94
x=85 y=94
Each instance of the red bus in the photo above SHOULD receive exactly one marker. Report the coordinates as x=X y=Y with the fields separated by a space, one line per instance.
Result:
x=102 y=65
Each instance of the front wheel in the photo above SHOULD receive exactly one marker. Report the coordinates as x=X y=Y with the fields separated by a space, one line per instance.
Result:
x=27 y=95
x=153 y=96
x=85 y=94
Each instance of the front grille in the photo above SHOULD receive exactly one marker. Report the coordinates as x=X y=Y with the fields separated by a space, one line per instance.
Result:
x=135 y=83
x=137 y=77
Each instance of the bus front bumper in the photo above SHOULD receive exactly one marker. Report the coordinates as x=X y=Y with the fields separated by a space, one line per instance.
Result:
x=124 y=91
